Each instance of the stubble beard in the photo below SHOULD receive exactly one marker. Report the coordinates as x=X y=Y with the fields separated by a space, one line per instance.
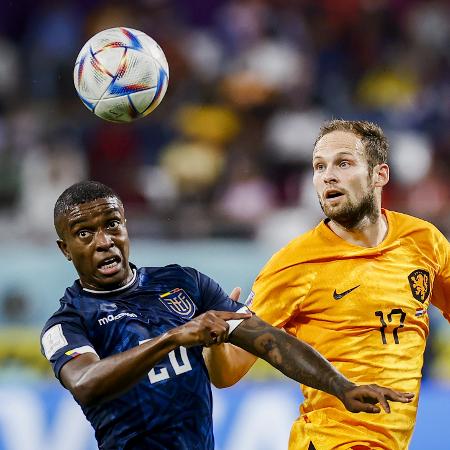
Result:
x=351 y=215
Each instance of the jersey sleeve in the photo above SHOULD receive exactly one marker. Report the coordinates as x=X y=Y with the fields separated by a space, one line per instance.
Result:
x=279 y=290
x=215 y=298
x=63 y=338
x=441 y=288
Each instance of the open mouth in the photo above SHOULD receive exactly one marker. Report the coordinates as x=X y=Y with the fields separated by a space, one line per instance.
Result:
x=331 y=194
x=109 y=265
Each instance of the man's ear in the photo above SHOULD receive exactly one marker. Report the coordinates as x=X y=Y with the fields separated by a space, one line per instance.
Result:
x=63 y=247
x=381 y=175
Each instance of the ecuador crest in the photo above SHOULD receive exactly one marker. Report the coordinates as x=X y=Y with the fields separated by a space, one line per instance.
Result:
x=179 y=302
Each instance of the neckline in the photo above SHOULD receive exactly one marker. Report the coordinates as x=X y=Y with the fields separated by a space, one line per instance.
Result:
x=133 y=279
x=333 y=236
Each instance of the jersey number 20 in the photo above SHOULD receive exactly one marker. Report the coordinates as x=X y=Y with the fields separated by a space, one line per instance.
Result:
x=161 y=373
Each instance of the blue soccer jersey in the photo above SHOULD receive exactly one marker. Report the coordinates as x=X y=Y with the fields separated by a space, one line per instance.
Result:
x=171 y=408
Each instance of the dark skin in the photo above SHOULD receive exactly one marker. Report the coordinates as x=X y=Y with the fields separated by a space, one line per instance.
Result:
x=92 y=232
x=94 y=237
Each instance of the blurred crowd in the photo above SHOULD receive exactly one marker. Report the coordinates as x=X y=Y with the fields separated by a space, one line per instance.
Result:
x=227 y=153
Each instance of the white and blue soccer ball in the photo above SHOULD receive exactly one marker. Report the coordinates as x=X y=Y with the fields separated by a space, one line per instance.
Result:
x=121 y=74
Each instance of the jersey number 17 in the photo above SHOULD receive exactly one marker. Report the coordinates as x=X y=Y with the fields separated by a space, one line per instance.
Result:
x=401 y=320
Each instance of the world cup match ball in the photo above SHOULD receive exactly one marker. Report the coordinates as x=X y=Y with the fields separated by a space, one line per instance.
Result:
x=121 y=74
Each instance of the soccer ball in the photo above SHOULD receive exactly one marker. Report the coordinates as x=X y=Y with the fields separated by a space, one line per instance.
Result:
x=121 y=74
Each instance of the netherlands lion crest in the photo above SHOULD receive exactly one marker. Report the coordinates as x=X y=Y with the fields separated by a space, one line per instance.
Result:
x=179 y=302
x=419 y=282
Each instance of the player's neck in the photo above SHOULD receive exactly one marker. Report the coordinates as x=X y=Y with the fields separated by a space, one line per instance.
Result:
x=366 y=234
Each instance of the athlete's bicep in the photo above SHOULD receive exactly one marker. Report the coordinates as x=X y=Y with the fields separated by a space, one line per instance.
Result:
x=72 y=372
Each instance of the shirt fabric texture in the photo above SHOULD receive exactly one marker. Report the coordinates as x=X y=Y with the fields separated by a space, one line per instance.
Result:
x=171 y=408
x=365 y=310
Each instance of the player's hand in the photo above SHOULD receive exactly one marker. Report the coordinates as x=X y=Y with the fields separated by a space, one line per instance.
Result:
x=235 y=294
x=364 y=398
x=209 y=328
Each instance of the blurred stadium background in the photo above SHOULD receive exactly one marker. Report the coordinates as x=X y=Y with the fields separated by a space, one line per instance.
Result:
x=218 y=177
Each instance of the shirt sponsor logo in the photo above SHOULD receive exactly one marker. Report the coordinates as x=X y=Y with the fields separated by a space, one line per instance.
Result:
x=419 y=282
x=108 y=307
x=112 y=318
x=337 y=296
x=179 y=302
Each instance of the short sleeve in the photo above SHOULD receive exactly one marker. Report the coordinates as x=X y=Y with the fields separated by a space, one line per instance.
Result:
x=63 y=338
x=441 y=288
x=213 y=297
x=278 y=292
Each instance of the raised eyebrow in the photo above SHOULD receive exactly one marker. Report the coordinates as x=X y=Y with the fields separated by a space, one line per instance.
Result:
x=345 y=154
x=113 y=214
x=77 y=223
x=336 y=156
x=317 y=160
x=112 y=210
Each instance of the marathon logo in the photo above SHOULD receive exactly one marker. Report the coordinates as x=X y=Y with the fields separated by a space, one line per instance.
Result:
x=112 y=318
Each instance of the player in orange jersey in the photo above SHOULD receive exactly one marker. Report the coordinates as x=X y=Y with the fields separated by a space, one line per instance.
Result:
x=357 y=288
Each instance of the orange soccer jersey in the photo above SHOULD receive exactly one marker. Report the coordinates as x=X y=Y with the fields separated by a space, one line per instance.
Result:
x=365 y=310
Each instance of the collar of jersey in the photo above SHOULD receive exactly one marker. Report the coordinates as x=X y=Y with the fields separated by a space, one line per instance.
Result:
x=133 y=279
x=387 y=243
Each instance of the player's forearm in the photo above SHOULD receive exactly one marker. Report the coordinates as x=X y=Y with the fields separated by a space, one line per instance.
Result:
x=227 y=364
x=112 y=376
x=294 y=358
x=98 y=380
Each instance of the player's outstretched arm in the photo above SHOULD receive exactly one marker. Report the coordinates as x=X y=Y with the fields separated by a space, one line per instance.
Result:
x=302 y=363
x=226 y=363
x=93 y=380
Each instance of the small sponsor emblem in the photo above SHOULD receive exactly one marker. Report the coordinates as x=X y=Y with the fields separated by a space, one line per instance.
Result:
x=108 y=307
x=419 y=282
x=53 y=340
x=337 y=296
x=179 y=302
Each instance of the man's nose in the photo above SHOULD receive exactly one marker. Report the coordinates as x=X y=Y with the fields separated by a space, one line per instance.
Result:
x=103 y=241
x=329 y=175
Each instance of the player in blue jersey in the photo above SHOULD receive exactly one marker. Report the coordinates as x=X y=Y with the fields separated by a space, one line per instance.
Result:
x=127 y=342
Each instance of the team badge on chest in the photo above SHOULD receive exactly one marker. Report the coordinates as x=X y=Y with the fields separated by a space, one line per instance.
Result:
x=419 y=282
x=179 y=302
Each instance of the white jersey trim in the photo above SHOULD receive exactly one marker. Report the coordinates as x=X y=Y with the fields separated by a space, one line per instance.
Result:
x=234 y=323
x=114 y=290
x=80 y=350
